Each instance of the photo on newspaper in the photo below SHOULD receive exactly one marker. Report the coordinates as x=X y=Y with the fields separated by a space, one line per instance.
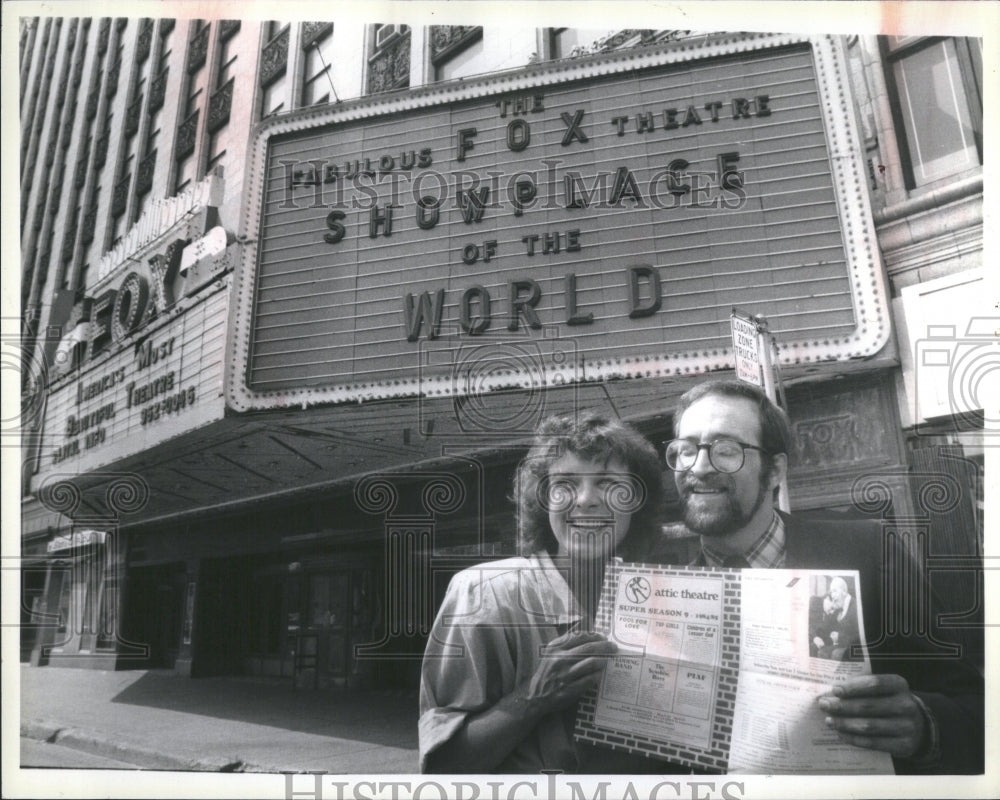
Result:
x=719 y=669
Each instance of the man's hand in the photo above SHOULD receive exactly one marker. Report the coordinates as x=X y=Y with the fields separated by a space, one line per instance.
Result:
x=878 y=712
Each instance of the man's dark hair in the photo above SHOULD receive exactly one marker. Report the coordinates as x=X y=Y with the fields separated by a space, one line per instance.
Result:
x=775 y=429
x=593 y=438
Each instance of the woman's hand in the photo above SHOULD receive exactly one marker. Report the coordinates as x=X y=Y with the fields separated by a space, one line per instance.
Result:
x=570 y=665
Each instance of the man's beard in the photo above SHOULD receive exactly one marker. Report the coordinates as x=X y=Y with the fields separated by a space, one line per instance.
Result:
x=724 y=521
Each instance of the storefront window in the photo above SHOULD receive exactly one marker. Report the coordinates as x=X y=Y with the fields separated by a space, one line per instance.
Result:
x=91 y=569
x=108 y=616
x=938 y=85
x=65 y=599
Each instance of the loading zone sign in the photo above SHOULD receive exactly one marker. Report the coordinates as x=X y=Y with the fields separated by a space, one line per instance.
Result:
x=746 y=340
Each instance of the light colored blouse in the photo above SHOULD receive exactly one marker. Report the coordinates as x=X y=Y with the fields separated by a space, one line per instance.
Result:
x=490 y=630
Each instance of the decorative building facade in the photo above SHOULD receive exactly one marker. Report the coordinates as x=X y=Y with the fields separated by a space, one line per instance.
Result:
x=294 y=295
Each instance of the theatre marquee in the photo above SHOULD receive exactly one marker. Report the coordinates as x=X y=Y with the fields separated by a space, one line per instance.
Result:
x=581 y=220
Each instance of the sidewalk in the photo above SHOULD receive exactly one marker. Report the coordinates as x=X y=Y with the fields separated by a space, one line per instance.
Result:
x=159 y=720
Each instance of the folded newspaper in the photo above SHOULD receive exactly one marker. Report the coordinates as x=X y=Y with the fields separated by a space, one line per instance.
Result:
x=719 y=669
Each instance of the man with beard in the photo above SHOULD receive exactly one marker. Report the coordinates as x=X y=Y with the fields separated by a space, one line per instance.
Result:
x=729 y=457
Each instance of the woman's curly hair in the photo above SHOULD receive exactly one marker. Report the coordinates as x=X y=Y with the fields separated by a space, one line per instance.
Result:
x=594 y=438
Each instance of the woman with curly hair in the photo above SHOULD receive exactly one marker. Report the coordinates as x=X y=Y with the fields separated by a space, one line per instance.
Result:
x=513 y=645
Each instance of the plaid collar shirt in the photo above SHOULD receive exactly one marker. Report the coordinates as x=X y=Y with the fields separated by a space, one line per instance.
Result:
x=768 y=552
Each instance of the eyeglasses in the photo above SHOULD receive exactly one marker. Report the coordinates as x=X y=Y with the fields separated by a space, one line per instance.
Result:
x=726 y=455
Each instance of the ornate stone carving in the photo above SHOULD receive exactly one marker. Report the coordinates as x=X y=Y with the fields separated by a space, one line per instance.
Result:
x=102 y=36
x=448 y=39
x=198 y=50
x=219 y=105
x=145 y=40
x=158 y=92
x=389 y=68
x=274 y=58
x=628 y=37
x=311 y=31
x=119 y=196
x=101 y=150
x=186 y=134
x=228 y=28
x=667 y=36
x=833 y=440
x=69 y=244
x=25 y=31
x=89 y=224
x=67 y=129
x=144 y=175
x=92 y=99
x=78 y=66
x=80 y=177
x=113 y=74
x=132 y=114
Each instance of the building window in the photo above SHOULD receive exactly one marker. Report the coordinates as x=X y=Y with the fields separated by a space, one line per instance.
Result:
x=317 y=69
x=186 y=164
x=273 y=73
x=457 y=51
x=389 y=62
x=81 y=286
x=119 y=199
x=273 y=96
x=129 y=153
x=154 y=110
x=221 y=102
x=216 y=149
x=226 y=60
x=939 y=114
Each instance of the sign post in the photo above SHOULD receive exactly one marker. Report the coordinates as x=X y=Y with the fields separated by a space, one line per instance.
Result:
x=755 y=352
